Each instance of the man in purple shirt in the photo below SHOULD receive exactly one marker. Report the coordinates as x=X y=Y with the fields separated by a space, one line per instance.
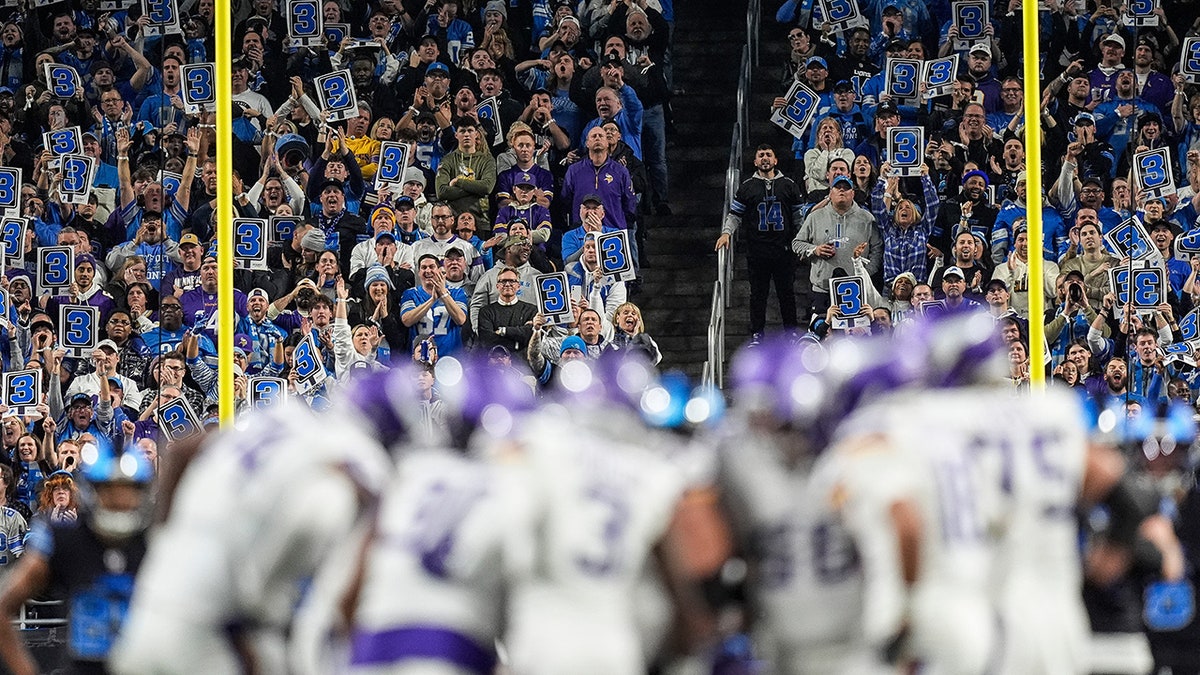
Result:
x=599 y=174
x=1112 y=61
x=200 y=303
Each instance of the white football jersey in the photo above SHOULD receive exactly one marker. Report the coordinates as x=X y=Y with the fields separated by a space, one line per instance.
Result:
x=591 y=511
x=803 y=557
x=438 y=547
x=1035 y=452
x=912 y=449
x=253 y=517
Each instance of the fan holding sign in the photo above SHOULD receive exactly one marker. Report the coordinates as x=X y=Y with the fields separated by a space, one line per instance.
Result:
x=1189 y=60
x=796 y=110
x=335 y=92
x=906 y=150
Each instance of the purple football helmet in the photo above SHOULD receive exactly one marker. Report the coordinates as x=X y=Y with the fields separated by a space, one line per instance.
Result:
x=824 y=387
x=754 y=374
x=959 y=350
x=479 y=396
x=386 y=401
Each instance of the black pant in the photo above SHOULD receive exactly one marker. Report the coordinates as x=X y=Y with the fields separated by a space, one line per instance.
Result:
x=763 y=271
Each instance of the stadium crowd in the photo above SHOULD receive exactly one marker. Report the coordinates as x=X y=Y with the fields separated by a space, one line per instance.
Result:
x=528 y=126
x=531 y=128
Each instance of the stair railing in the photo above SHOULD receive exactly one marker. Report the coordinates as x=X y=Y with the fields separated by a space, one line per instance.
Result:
x=714 y=368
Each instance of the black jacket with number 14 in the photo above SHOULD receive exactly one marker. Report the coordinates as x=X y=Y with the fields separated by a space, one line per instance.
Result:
x=768 y=209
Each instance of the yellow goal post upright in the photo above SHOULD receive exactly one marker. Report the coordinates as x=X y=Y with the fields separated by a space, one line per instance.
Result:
x=1033 y=192
x=224 y=151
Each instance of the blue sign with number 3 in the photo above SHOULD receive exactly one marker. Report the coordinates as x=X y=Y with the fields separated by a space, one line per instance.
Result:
x=22 y=390
x=177 y=420
x=77 y=328
x=612 y=249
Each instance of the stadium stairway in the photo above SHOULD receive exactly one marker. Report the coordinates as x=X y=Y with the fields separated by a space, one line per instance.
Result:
x=677 y=286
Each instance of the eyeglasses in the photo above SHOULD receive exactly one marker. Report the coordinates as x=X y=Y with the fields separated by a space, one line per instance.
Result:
x=168 y=307
x=1010 y=90
x=1091 y=190
x=437 y=217
x=507 y=282
x=119 y=322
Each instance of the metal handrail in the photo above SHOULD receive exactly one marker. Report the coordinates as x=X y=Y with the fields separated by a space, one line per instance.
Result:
x=714 y=368
x=22 y=622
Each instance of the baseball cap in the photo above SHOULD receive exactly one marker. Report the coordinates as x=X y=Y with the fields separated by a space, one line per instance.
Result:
x=816 y=61
x=499 y=352
x=886 y=108
x=6 y=90
x=954 y=271
x=996 y=283
x=258 y=293
x=404 y=202
x=115 y=382
x=438 y=67
x=332 y=182
x=897 y=44
x=1075 y=273
x=524 y=179
x=593 y=197
x=385 y=234
x=1167 y=223
x=242 y=341
x=85 y=398
x=980 y=48
x=41 y=319
x=1115 y=39
x=189 y=240
x=1092 y=180
x=453 y=252
x=572 y=342
x=843 y=86
x=1022 y=176
x=109 y=344
x=1084 y=118
x=840 y=180
x=515 y=240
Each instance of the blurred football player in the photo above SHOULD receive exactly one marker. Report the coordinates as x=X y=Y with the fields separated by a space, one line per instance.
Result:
x=253 y=516
x=427 y=597
x=94 y=559
x=787 y=401
x=596 y=510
